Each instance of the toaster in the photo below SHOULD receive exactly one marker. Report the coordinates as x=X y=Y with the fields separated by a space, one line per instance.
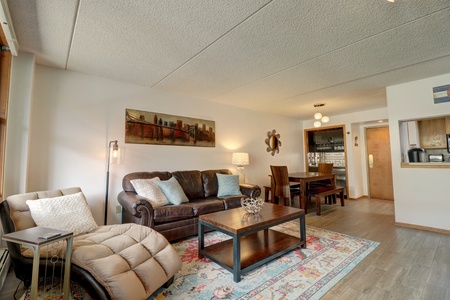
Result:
x=436 y=157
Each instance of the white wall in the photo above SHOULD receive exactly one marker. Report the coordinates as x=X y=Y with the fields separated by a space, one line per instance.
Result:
x=74 y=116
x=355 y=124
x=421 y=195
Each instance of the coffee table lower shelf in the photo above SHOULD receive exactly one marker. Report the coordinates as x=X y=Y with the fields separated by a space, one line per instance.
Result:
x=256 y=249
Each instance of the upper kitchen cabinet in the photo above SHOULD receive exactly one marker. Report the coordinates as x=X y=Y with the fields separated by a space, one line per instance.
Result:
x=432 y=133
x=447 y=125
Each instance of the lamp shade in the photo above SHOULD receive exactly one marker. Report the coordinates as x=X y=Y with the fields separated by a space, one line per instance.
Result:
x=240 y=159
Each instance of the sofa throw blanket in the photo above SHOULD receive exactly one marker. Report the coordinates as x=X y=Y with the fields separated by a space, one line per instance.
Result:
x=131 y=261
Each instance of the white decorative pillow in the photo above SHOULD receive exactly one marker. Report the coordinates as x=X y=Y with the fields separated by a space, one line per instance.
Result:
x=228 y=185
x=149 y=189
x=69 y=213
x=173 y=191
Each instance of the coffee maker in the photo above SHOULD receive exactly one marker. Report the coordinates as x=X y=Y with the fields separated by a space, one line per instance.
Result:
x=416 y=155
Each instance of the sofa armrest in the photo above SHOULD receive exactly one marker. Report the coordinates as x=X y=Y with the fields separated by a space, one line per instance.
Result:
x=250 y=190
x=136 y=206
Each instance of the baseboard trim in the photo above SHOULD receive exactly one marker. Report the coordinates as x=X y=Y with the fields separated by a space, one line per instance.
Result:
x=357 y=198
x=438 y=230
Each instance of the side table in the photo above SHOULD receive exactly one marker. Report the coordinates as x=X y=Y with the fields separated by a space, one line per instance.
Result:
x=29 y=238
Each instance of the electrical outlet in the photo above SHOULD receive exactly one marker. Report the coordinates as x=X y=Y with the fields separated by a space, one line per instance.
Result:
x=118 y=209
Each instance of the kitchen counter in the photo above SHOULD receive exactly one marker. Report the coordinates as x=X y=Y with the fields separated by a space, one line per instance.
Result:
x=426 y=165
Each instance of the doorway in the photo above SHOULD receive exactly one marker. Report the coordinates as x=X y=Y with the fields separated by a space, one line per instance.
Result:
x=379 y=163
x=327 y=145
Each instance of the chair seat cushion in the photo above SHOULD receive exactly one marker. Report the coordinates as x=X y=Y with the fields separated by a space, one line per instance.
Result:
x=127 y=259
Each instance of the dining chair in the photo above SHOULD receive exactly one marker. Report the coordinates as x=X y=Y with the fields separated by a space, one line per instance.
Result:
x=281 y=187
x=326 y=168
x=323 y=168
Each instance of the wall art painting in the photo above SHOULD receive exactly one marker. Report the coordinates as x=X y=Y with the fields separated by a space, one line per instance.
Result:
x=441 y=94
x=144 y=127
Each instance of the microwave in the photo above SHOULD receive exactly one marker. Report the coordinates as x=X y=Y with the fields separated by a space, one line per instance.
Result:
x=448 y=143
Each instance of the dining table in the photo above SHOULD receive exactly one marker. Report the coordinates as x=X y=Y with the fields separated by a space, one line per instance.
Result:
x=306 y=177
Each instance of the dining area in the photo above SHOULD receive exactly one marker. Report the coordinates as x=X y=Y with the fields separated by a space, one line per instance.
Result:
x=319 y=187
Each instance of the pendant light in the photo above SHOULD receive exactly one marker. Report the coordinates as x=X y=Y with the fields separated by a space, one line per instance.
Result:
x=319 y=117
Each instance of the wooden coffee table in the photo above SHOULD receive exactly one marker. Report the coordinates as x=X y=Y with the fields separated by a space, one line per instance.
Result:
x=253 y=243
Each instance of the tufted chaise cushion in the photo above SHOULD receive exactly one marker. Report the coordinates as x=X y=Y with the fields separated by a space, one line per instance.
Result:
x=131 y=261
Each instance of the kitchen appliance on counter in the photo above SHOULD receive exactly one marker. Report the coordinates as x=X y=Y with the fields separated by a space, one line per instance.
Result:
x=417 y=155
x=436 y=157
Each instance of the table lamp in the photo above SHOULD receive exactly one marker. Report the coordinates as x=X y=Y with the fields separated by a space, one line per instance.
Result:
x=240 y=159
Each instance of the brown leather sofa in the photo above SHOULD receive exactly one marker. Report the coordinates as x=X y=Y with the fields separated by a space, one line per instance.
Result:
x=179 y=221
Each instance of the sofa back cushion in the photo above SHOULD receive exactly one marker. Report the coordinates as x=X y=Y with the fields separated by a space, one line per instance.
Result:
x=19 y=211
x=126 y=181
x=210 y=183
x=191 y=182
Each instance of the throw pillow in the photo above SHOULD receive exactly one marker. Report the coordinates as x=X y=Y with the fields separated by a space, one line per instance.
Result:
x=173 y=191
x=69 y=213
x=149 y=189
x=228 y=185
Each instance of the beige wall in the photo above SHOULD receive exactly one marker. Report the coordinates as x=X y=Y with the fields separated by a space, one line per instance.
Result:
x=74 y=116
x=421 y=195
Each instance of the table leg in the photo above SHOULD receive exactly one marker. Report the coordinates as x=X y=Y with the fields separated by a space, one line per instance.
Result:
x=35 y=274
x=303 y=195
x=236 y=258
x=201 y=239
x=302 y=230
x=66 y=286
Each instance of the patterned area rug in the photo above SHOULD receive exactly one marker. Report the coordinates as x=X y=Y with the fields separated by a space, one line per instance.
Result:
x=53 y=291
x=301 y=274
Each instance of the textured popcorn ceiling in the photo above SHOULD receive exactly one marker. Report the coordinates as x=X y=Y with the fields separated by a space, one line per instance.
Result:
x=280 y=56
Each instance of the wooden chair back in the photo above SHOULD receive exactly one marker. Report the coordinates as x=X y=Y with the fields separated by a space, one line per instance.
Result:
x=280 y=182
x=325 y=168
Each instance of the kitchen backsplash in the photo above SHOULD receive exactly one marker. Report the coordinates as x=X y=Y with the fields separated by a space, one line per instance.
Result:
x=439 y=151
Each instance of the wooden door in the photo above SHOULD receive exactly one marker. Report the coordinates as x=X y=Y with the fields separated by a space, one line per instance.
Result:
x=379 y=163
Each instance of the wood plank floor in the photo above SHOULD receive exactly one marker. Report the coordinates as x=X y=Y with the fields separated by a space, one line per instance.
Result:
x=408 y=264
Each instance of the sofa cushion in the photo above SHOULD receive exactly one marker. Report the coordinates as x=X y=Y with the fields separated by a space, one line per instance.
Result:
x=173 y=191
x=209 y=179
x=205 y=206
x=70 y=213
x=149 y=189
x=228 y=185
x=172 y=213
x=191 y=182
x=126 y=181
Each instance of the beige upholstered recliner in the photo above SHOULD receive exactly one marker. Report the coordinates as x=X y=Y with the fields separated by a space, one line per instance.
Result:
x=125 y=261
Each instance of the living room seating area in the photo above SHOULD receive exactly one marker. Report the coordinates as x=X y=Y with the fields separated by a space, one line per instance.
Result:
x=197 y=193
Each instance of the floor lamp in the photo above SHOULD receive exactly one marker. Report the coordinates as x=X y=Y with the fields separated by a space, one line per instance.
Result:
x=113 y=157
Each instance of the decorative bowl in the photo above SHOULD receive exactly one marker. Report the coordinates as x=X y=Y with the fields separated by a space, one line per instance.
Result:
x=252 y=206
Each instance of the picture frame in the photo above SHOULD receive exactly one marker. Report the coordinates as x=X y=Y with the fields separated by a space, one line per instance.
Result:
x=143 y=127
